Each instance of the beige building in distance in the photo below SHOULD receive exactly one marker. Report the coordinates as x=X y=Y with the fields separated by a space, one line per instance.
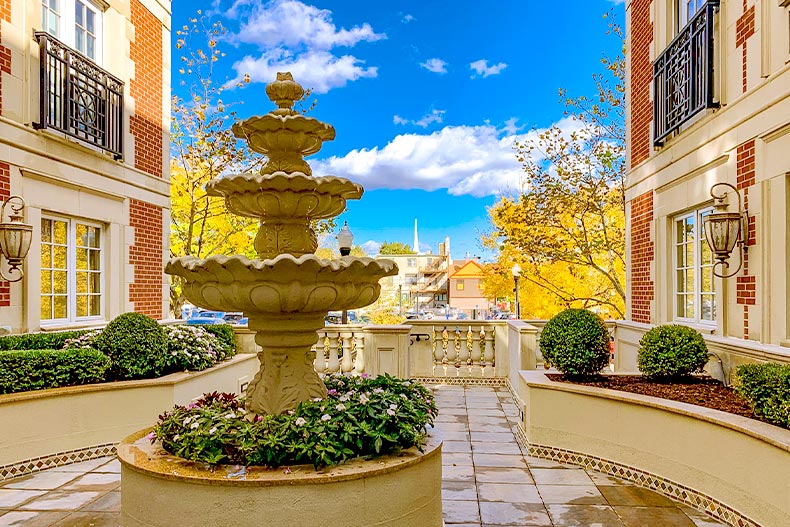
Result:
x=708 y=106
x=84 y=135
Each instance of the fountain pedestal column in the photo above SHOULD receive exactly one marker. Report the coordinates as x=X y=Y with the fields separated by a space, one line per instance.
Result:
x=287 y=375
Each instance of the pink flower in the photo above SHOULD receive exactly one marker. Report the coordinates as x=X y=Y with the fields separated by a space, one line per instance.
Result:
x=331 y=392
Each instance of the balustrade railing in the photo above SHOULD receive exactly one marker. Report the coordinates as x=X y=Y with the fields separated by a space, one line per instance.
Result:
x=340 y=349
x=78 y=98
x=683 y=75
x=459 y=349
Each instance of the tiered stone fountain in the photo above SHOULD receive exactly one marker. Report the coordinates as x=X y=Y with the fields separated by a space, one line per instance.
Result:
x=286 y=293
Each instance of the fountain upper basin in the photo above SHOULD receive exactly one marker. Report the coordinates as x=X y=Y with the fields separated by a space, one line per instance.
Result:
x=284 y=284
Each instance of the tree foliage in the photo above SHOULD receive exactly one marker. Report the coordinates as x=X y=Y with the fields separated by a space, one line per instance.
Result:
x=395 y=248
x=567 y=225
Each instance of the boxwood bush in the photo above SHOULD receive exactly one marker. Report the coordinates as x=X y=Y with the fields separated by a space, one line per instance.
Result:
x=576 y=342
x=25 y=370
x=39 y=341
x=672 y=351
x=767 y=388
x=137 y=346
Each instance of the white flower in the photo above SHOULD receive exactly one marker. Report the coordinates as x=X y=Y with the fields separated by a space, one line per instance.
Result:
x=194 y=425
x=188 y=420
x=390 y=411
x=378 y=390
x=340 y=407
x=291 y=412
x=393 y=407
x=363 y=399
x=230 y=416
x=300 y=421
x=343 y=398
x=176 y=437
x=213 y=429
x=403 y=396
x=317 y=399
x=326 y=417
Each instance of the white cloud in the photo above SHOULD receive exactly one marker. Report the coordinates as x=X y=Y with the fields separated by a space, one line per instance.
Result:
x=371 y=247
x=435 y=65
x=409 y=18
x=510 y=126
x=436 y=116
x=481 y=67
x=475 y=160
x=292 y=36
x=291 y=23
x=319 y=70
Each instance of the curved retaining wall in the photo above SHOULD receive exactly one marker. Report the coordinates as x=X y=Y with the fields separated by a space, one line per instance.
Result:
x=160 y=490
x=733 y=467
x=47 y=428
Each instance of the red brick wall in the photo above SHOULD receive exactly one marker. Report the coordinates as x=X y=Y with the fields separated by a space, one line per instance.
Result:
x=641 y=77
x=5 y=53
x=746 y=285
x=146 y=90
x=5 y=192
x=642 y=256
x=146 y=256
x=744 y=28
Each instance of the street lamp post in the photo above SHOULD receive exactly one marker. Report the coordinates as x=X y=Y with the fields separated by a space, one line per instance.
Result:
x=345 y=240
x=516 y=270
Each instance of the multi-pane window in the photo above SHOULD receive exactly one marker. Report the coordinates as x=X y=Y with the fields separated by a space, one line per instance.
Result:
x=687 y=9
x=695 y=287
x=71 y=270
x=411 y=262
x=75 y=22
x=459 y=285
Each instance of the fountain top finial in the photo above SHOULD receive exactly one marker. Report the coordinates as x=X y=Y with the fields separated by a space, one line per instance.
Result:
x=284 y=92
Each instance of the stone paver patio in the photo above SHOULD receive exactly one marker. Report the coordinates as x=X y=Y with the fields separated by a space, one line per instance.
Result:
x=487 y=481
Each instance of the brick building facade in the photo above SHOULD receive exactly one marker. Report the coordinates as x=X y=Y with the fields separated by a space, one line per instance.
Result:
x=708 y=101
x=85 y=136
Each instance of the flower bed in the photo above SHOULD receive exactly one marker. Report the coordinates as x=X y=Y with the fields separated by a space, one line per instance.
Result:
x=361 y=416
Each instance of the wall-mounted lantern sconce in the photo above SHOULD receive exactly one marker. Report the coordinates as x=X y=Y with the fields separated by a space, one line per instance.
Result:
x=724 y=230
x=15 y=237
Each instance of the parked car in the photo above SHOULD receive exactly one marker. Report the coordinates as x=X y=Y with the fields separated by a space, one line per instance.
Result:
x=205 y=318
x=236 y=319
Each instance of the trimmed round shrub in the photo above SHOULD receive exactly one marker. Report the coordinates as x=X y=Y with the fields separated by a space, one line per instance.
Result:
x=191 y=348
x=576 y=342
x=136 y=345
x=672 y=351
x=227 y=338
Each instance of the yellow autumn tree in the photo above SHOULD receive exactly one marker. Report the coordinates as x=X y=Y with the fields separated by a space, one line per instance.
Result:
x=567 y=226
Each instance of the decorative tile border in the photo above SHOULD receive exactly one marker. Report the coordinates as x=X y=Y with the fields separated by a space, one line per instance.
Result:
x=30 y=466
x=460 y=381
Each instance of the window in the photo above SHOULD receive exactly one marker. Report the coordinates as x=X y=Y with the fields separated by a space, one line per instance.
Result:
x=71 y=270
x=695 y=291
x=411 y=279
x=459 y=285
x=686 y=9
x=411 y=262
x=77 y=23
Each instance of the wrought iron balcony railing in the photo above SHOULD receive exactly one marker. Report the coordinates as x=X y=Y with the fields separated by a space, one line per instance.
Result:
x=683 y=75
x=79 y=98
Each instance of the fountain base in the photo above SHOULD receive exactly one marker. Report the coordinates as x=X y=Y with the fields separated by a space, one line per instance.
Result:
x=160 y=490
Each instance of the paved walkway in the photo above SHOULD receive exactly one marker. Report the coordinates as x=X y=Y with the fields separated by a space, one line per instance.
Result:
x=487 y=482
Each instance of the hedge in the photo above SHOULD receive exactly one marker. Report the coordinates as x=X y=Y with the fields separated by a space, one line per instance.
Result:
x=25 y=370
x=767 y=388
x=39 y=341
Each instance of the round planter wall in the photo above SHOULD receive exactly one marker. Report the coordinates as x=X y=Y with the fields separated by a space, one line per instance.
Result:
x=159 y=490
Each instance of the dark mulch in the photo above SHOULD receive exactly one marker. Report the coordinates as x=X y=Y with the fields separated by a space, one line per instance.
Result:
x=702 y=391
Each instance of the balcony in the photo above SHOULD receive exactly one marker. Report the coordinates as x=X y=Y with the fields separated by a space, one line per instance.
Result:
x=683 y=75
x=78 y=98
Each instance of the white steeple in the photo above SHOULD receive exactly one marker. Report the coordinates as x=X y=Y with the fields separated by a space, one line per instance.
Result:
x=416 y=247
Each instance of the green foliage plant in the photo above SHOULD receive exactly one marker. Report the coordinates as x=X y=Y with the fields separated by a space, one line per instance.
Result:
x=137 y=346
x=39 y=341
x=767 y=388
x=25 y=370
x=576 y=342
x=672 y=351
x=395 y=248
x=360 y=417
x=191 y=347
x=227 y=339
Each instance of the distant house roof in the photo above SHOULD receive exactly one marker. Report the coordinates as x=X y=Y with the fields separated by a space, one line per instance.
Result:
x=469 y=269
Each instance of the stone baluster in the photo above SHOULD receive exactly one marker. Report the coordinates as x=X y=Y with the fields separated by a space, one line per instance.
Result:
x=436 y=347
x=333 y=364
x=476 y=345
x=489 y=355
x=464 y=350
x=358 y=348
x=345 y=338
x=456 y=350
x=320 y=352
x=445 y=345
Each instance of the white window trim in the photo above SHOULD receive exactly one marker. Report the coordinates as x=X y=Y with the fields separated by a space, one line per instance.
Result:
x=71 y=274
x=68 y=24
x=699 y=240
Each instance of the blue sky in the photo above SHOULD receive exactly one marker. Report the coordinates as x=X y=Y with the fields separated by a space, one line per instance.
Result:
x=426 y=96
